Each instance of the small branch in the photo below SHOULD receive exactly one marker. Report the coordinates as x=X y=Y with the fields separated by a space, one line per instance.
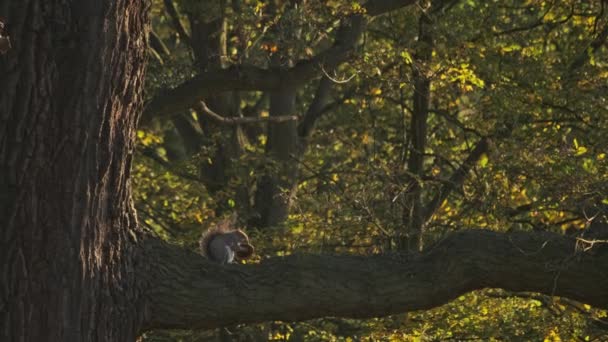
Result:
x=318 y=107
x=379 y=7
x=335 y=80
x=201 y=107
x=170 y=6
x=150 y=153
x=315 y=109
x=158 y=45
x=537 y=23
x=595 y=45
x=457 y=178
x=452 y=119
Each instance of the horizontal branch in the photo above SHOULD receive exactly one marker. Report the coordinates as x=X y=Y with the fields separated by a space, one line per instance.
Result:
x=186 y=291
x=202 y=108
x=235 y=78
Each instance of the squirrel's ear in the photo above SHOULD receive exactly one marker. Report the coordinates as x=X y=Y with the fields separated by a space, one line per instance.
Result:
x=241 y=235
x=244 y=251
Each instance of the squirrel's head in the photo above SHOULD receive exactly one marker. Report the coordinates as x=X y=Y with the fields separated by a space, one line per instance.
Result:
x=244 y=249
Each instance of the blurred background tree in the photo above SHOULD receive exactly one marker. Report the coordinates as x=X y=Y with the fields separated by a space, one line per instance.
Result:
x=387 y=130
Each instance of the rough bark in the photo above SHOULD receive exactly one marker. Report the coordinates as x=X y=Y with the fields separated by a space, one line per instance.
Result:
x=186 y=291
x=70 y=92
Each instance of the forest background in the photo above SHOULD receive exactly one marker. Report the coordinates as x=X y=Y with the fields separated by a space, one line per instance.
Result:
x=386 y=135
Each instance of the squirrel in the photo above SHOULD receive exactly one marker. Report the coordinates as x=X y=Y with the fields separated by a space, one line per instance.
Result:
x=224 y=244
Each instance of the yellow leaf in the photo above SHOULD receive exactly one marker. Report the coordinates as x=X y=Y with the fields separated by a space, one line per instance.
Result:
x=483 y=161
x=581 y=150
x=376 y=91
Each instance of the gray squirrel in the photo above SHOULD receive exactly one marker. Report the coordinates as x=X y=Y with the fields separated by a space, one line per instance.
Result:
x=224 y=244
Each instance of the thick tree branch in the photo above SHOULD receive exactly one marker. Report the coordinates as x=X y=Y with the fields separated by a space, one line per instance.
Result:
x=315 y=110
x=186 y=291
x=204 y=84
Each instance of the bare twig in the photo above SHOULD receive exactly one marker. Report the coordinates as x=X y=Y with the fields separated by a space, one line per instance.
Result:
x=172 y=11
x=201 y=107
x=335 y=80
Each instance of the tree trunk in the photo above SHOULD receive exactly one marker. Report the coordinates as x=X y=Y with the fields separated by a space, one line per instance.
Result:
x=70 y=93
x=413 y=214
x=275 y=188
x=209 y=44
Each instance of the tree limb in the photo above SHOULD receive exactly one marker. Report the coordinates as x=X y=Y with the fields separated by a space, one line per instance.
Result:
x=172 y=11
x=158 y=45
x=206 y=83
x=457 y=178
x=202 y=108
x=315 y=109
x=593 y=47
x=378 y=7
x=186 y=291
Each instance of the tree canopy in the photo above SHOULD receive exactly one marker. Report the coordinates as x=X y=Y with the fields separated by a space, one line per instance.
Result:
x=381 y=127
